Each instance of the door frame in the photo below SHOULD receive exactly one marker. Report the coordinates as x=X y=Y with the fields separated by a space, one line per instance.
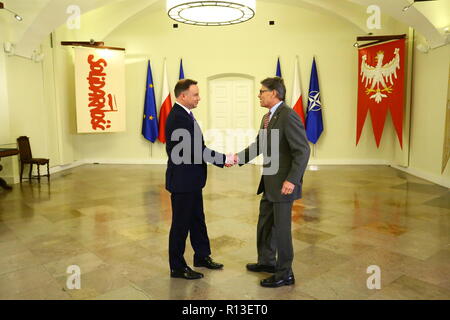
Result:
x=230 y=76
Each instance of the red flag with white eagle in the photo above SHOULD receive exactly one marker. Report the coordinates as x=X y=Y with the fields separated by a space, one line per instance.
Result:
x=381 y=76
x=166 y=105
x=296 y=101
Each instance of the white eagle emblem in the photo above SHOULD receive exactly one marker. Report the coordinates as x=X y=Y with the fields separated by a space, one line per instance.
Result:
x=380 y=75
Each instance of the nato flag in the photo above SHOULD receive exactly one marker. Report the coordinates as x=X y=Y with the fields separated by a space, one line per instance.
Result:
x=150 y=122
x=314 y=125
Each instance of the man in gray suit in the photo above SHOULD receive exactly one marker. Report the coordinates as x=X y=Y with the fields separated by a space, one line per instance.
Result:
x=283 y=143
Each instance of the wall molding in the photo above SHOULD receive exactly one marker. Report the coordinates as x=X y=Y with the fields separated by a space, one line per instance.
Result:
x=332 y=162
x=66 y=166
x=126 y=161
x=438 y=179
x=435 y=178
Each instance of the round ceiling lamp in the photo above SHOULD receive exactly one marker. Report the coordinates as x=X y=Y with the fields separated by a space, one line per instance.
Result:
x=18 y=18
x=211 y=13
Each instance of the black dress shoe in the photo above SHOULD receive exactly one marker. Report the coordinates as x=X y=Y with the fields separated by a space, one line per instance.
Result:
x=260 y=268
x=207 y=263
x=271 y=282
x=186 y=273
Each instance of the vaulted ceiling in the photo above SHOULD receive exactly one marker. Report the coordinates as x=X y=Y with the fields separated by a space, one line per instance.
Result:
x=41 y=17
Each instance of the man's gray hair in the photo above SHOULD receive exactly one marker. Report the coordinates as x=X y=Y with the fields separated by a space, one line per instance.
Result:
x=277 y=84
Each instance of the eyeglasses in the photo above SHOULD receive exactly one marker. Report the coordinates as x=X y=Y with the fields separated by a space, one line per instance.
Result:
x=262 y=91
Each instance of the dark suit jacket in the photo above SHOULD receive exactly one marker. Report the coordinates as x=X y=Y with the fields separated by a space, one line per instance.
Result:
x=292 y=157
x=190 y=175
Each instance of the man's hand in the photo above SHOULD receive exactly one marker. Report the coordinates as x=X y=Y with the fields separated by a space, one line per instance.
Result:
x=287 y=188
x=231 y=160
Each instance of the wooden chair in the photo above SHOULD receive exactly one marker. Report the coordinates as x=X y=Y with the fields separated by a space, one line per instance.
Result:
x=26 y=157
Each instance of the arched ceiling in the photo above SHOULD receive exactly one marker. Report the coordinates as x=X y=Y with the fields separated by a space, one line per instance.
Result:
x=428 y=17
x=41 y=17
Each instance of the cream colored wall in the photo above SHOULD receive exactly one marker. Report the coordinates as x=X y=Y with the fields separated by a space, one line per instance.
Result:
x=250 y=48
x=429 y=104
x=4 y=105
x=64 y=109
x=8 y=163
x=57 y=140
x=28 y=107
x=23 y=110
x=46 y=112
x=28 y=115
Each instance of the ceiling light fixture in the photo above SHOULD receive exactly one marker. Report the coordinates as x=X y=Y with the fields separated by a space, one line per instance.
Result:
x=411 y=4
x=211 y=13
x=407 y=7
x=18 y=18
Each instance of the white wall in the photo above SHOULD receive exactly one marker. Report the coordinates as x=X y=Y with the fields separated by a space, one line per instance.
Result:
x=4 y=105
x=429 y=105
x=46 y=109
x=26 y=103
x=250 y=48
x=5 y=129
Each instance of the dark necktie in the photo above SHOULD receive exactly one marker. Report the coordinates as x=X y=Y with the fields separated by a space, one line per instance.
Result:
x=192 y=116
x=266 y=120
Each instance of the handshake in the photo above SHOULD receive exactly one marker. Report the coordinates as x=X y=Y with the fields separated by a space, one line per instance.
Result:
x=231 y=160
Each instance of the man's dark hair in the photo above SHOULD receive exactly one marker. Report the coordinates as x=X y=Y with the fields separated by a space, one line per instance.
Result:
x=277 y=84
x=183 y=85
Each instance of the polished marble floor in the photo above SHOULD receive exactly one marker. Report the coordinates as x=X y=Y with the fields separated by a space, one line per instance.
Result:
x=113 y=222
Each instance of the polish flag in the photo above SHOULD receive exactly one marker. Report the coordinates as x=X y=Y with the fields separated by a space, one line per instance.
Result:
x=296 y=101
x=166 y=105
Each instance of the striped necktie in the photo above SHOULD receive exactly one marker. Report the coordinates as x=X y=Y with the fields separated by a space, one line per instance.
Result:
x=266 y=120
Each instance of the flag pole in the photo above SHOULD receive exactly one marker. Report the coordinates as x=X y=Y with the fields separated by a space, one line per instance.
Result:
x=151 y=150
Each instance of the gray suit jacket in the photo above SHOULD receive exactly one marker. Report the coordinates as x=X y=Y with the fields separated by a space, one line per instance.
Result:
x=285 y=129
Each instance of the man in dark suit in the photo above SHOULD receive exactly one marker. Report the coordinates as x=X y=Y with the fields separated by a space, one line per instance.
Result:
x=185 y=178
x=283 y=143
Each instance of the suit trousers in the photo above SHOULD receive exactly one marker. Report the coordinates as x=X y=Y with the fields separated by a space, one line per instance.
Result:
x=187 y=217
x=274 y=236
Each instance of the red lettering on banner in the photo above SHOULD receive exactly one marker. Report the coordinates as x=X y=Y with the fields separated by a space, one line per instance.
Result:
x=97 y=99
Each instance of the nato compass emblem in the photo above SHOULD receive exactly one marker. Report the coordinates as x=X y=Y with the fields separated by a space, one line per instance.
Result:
x=314 y=101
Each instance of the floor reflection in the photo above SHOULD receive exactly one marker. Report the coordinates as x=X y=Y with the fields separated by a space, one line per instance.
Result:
x=350 y=217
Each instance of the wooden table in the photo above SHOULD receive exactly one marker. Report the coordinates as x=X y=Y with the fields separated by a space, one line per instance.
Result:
x=6 y=152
